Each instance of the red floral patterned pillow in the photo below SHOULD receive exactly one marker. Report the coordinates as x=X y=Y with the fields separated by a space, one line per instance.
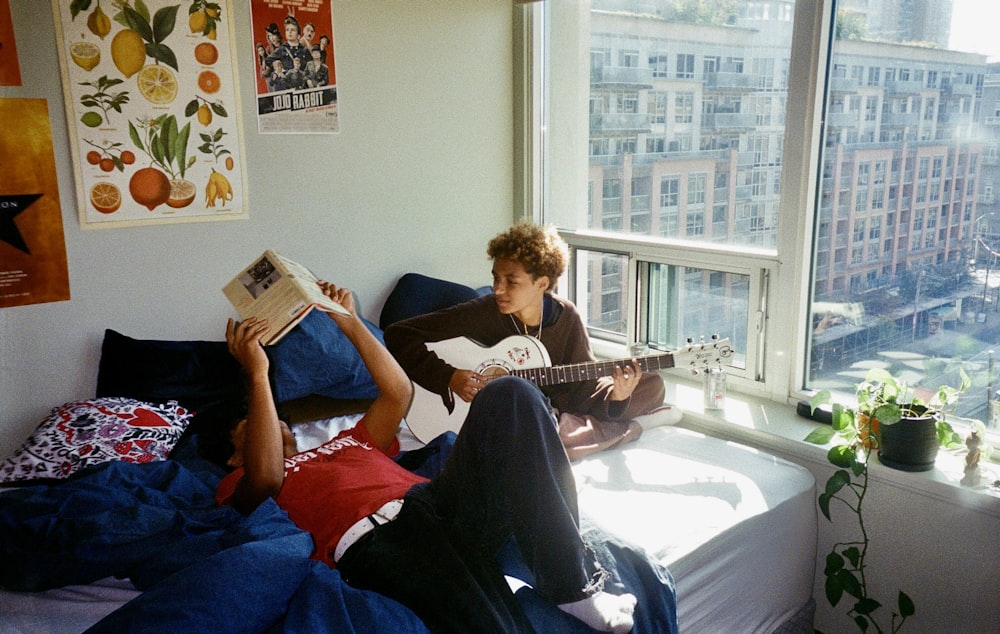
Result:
x=84 y=433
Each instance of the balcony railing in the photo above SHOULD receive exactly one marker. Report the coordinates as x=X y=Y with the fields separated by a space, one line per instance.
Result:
x=621 y=76
x=620 y=122
x=726 y=120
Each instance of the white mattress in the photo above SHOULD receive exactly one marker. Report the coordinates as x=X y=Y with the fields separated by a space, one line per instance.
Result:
x=736 y=527
x=67 y=610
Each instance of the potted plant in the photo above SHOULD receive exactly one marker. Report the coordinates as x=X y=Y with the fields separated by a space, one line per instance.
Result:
x=890 y=419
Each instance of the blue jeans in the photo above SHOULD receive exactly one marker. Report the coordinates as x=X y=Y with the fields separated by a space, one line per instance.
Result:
x=507 y=474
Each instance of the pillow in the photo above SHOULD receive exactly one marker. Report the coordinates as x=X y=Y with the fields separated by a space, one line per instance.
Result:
x=416 y=294
x=200 y=375
x=316 y=357
x=90 y=432
x=197 y=374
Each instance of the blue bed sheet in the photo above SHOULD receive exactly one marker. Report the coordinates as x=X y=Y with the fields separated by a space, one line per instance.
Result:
x=205 y=568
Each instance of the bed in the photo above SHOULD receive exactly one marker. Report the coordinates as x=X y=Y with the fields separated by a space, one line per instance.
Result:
x=711 y=536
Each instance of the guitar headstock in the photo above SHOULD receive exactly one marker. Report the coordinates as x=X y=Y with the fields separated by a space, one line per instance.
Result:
x=702 y=355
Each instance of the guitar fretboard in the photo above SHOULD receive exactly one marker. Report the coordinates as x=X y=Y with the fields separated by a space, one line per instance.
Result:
x=591 y=370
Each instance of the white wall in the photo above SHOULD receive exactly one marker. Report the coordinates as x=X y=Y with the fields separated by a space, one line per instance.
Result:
x=418 y=179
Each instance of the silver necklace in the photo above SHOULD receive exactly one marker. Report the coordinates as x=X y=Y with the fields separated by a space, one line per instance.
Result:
x=518 y=330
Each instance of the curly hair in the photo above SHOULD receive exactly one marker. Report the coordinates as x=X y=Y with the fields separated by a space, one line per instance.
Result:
x=540 y=250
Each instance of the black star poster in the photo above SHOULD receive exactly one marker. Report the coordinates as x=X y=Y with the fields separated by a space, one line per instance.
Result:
x=33 y=267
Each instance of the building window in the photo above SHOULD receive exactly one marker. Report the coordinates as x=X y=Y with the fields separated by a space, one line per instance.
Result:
x=685 y=66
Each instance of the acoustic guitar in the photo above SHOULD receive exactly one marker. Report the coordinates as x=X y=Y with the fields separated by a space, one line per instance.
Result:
x=526 y=357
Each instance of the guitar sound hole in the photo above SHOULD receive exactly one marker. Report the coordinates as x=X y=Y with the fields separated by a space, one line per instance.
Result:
x=494 y=372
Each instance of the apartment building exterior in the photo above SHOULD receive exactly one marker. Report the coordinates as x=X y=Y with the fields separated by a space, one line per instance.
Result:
x=686 y=134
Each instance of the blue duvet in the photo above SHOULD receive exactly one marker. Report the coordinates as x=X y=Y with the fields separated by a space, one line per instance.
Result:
x=205 y=568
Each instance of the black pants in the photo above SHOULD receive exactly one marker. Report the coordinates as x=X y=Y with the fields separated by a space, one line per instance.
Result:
x=508 y=474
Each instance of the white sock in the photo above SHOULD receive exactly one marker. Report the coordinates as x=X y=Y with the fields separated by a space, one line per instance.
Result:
x=604 y=612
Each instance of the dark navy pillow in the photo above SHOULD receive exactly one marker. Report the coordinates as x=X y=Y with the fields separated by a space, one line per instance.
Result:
x=197 y=374
x=416 y=294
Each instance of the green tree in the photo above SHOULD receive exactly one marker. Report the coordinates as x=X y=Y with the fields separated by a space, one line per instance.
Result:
x=706 y=12
x=851 y=25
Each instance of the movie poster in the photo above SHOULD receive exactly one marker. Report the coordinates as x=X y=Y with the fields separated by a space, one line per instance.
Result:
x=10 y=72
x=296 y=73
x=33 y=266
x=152 y=106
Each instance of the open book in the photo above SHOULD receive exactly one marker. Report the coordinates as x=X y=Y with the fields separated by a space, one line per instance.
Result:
x=278 y=290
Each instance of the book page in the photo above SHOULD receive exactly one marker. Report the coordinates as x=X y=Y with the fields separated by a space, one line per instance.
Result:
x=308 y=284
x=278 y=290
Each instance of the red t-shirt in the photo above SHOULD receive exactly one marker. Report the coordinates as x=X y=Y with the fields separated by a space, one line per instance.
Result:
x=329 y=488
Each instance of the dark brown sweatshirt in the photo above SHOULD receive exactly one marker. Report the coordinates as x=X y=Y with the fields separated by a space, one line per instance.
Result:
x=562 y=333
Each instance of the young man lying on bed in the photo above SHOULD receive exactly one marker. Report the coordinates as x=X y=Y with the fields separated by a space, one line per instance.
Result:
x=429 y=544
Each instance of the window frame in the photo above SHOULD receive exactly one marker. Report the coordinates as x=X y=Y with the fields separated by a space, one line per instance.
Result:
x=777 y=359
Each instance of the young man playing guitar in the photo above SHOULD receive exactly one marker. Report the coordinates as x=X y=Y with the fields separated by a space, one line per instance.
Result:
x=528 y=260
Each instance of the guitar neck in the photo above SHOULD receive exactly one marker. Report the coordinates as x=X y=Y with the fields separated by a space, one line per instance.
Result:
x=592 y=370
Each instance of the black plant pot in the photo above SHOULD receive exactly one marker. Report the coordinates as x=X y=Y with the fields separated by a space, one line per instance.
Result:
x=910 y=444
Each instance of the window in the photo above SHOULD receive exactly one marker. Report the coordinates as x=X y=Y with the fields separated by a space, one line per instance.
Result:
x=890 y=220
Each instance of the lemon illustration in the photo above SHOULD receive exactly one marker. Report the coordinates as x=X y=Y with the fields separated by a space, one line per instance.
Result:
x=197 y=21
x=157 y=84
x=128 y=52
x=204 y=114
x=99 y=23
x=85 y=54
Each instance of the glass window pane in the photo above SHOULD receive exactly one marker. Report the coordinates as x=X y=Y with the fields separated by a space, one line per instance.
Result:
x=905 y=273
x=601 y=291
x=710 y=302
x=686 y=112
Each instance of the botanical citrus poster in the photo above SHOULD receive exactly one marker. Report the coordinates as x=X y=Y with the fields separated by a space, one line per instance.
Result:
x=32 y=246
x=151 y=99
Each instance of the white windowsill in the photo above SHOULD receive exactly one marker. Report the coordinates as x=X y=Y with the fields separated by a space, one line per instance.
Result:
x=778 y=429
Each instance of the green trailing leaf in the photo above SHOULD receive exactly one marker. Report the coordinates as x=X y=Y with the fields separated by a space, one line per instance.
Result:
x=861 y=622
x=824 y=505
x=842 y=456
x=191 y=108
x=218 y=109
x=842 y=420
x=819 y=398
x=837 y=481
x=857 y=467
x=866 y=606
x=834 y=564
x=853 y=555
x=834 y=590
x=887 y=414
x=820 y=435
x=850 y=583
x=906 y=607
